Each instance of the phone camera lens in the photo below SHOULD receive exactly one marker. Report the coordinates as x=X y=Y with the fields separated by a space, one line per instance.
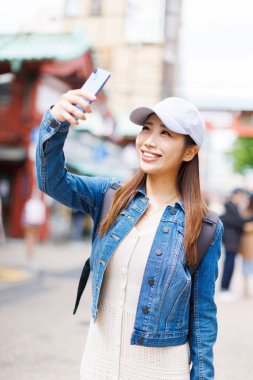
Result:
x=95 y=70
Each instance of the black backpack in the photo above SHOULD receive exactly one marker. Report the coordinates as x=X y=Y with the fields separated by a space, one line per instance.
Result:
x=205 y=239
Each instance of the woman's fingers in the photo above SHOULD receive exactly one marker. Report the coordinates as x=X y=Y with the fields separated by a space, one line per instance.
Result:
x=83 y=94
x=68 y=117
x=80 y=97
x=74 y=99
x=72 y=106
x=73 y=110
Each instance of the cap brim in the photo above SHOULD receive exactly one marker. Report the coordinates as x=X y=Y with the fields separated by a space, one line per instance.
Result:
x=140 y=114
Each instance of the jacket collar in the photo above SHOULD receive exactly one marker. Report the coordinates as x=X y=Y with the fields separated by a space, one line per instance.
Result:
x=180 y=203
x=142 y=190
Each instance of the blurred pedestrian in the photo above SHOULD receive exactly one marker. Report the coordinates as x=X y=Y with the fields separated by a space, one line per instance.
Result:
x=34 y=217
x=150 y=317
x=233 y=223
x=246 y=247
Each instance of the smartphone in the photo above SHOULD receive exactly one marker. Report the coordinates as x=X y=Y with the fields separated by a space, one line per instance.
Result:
x=96 y=81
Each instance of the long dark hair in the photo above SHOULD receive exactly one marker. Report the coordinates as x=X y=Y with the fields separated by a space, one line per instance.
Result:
x=188 y=185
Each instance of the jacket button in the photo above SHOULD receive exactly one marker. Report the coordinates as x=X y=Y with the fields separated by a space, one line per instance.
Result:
x=166 y=229
x=140 y=340
x=158 y=252
x=173 y=211
x=145 y=310
x=151 y=281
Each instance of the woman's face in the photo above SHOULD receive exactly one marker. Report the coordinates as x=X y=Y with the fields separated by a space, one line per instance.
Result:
x=159 y=150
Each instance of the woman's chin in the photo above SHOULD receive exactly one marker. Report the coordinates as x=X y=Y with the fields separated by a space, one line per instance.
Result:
x=147 y=169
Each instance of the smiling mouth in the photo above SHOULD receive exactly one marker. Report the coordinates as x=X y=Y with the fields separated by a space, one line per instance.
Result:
x=150 y=155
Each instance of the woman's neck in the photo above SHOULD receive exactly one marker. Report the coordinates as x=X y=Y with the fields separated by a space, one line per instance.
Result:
x=160 y=190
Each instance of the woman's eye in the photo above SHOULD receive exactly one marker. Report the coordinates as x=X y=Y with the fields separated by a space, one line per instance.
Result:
x=145 y=128
x=166 y=133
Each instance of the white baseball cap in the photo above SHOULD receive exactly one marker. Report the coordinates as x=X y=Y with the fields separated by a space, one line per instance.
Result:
x=177 y=114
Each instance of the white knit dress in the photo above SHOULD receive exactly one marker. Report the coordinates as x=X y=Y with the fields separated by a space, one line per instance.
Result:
x=108 y=354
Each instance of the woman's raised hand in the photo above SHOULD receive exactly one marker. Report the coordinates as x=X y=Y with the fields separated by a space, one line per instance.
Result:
x=66 y=109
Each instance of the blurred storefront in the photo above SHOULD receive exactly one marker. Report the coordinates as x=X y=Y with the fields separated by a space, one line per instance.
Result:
x=224 y=126
x=34 y=70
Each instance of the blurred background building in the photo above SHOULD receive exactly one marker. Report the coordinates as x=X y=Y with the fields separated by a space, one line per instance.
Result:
x=137 y=40
x=154 y=49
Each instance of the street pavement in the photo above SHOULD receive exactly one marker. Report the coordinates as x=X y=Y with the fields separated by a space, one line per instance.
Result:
x=42 y=340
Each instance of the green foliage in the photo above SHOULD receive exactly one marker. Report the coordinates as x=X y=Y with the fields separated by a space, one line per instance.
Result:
x=242 y=153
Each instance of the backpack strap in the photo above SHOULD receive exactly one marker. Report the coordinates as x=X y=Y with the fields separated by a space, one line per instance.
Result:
x=205 y=237
x=107 y=201
x=82 y=283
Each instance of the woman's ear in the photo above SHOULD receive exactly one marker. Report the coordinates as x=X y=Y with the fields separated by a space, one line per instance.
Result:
x=190 y=152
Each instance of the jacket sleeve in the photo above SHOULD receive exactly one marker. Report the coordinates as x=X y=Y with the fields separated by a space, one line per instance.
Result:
x=203 y=311
x=79 y=192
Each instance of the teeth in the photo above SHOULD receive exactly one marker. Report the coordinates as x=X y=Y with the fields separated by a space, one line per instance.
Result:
x=150 y=155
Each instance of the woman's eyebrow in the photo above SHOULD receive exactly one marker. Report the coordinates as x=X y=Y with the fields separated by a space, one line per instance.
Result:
x=150 y=123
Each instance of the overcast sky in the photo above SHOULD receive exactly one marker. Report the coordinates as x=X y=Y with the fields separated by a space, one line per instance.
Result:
x=216 y=55
x=16 y=14
x=217 y=51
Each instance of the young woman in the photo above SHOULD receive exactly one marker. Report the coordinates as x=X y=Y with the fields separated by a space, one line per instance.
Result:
x=150 y=318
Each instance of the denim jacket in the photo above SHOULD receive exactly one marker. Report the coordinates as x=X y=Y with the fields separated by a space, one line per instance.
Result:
x=174 y=307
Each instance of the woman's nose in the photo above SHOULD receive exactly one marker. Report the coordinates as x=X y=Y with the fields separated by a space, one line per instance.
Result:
x=151 y=141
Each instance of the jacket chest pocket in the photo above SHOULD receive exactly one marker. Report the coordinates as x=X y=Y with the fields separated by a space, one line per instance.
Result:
x=179 y=312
